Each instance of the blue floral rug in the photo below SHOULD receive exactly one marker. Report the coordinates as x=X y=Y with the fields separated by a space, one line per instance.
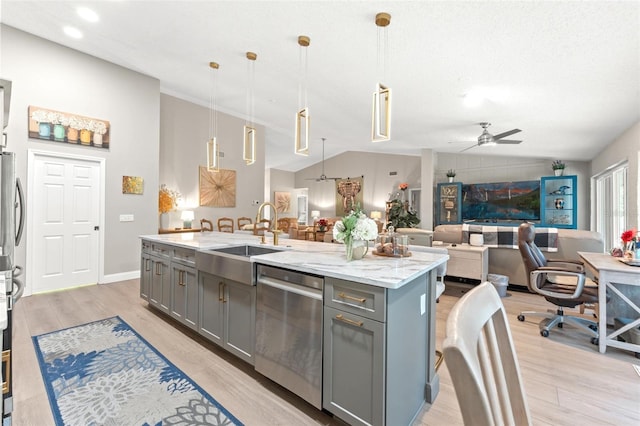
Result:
x=104 y=373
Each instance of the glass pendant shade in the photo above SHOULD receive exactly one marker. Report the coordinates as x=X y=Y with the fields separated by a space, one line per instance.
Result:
x=249 y=149
x=381 y=114
x=302 y=132
x=213 y=150
x=249 y=137
x=302 y=116
x=213 y=155
x=381 y=109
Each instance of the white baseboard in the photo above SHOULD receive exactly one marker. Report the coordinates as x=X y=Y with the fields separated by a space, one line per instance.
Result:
x=122 y=276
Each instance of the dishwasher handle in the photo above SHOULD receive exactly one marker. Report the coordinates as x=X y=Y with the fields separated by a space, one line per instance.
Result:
x=291 y=287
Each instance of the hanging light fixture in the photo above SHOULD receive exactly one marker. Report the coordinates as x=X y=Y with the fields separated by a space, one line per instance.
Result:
x=249 y=147
x=213 y=150
x=381 y=111
x=302 y=117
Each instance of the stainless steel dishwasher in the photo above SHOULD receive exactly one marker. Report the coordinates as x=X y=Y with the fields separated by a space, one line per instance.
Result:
x=289 y=331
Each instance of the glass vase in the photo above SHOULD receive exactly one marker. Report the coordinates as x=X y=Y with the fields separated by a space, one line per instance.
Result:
x=355 y=249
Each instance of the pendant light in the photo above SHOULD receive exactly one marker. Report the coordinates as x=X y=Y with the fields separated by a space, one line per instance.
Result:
x=381 y=111
x=302 y=117
x=249 y=145
x=213 y=150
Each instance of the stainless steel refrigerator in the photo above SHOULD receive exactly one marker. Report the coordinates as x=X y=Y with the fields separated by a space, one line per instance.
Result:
x=11 y=226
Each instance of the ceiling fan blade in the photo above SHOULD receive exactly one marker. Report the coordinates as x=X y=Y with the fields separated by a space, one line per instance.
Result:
x=507 y=142
x=472 y=146
x=456 y=142
x=505 y=134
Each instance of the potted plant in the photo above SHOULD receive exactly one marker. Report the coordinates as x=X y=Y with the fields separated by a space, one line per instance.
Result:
x=451 y=174
x=400 y=216
x=558 y=167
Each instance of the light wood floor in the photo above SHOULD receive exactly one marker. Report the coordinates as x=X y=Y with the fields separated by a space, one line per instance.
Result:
x=567 y=381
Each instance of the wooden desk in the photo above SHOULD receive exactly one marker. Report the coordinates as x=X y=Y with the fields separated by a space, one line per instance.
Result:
x=610 y=272
x=177 y=231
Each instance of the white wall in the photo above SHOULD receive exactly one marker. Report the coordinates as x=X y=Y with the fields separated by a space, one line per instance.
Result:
x=378 y=183
x=626 y=147
x=183 y=137
x=48 y=75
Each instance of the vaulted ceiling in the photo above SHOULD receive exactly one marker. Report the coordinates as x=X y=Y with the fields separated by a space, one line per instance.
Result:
x=566 y=73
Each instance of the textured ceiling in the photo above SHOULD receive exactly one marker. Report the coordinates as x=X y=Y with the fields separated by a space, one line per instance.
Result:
x=566 y=73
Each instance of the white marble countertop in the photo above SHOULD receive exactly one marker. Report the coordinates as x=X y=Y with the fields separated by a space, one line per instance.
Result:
x=319 y=258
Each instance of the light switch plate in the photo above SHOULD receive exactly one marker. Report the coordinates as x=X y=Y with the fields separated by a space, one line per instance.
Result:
x=126 y=218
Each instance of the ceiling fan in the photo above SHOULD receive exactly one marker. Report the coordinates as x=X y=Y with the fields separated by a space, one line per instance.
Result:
x=323 y=177
x=487 y=139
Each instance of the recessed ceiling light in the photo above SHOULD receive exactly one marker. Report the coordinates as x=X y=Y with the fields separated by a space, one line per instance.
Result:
x=87 y=14
x=72 y=32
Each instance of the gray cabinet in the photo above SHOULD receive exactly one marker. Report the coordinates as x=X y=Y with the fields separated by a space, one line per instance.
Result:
x=184 y=294
x=378 y=351
x=353 y=383
x=145 y=275
x=227 y=314
x=184 y=287
x=156 y=277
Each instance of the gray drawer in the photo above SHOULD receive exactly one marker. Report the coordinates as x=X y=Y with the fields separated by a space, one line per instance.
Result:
x=359 y=299
x=160 y=249
x=185 y=256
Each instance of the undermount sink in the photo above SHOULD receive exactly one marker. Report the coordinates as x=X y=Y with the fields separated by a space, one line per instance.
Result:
x=232 y=262
x=246 y=250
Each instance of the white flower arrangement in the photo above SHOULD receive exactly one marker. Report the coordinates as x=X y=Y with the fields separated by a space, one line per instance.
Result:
x=355 y=226
x=100 y=127
x=76 y=123
x=39 y=116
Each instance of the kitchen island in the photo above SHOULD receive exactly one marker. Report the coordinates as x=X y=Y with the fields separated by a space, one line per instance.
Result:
x=378 y=325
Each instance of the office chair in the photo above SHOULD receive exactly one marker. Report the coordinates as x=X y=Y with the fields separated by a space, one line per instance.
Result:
x=481 y=359
x=206 y=225
x=243 y=221
x=561 y=282
x=225 y=224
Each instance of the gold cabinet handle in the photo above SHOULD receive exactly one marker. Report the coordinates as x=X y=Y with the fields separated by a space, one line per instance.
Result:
x=6 y=359
x=339 y=317
x=157 y=268
x=181 y=278
x=356 y=299
x=147 y=262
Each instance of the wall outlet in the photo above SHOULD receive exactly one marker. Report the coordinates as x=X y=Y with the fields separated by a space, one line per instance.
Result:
x=126 y=218
x=255 y=203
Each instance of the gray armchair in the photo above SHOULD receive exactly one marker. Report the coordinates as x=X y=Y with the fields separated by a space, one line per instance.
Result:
x=561 y=282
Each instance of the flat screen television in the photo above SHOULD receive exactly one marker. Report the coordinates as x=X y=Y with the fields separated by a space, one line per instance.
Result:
x=502 y=201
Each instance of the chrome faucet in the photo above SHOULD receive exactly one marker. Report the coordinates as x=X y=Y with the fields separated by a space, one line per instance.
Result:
x=274 y=225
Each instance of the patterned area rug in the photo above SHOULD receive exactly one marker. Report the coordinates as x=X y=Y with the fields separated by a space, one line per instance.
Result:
x=104 y=373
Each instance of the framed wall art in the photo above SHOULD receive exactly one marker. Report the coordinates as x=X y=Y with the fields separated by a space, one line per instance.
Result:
x=50 y=125
x=282 y=201
x=349 y=194
x=132 y=185
x=217 y=189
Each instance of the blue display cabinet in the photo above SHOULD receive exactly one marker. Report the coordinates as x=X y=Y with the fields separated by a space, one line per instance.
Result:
x=449 y=202
x=559 y=201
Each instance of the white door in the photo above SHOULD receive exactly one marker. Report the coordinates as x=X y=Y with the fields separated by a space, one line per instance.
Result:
x=65 y=215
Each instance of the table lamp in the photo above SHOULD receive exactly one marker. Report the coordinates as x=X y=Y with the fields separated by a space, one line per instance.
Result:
x=187 y=217
x=376 y=215
x=315 y=214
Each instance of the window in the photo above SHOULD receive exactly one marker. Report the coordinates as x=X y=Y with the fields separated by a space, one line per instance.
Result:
x=611 y=204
